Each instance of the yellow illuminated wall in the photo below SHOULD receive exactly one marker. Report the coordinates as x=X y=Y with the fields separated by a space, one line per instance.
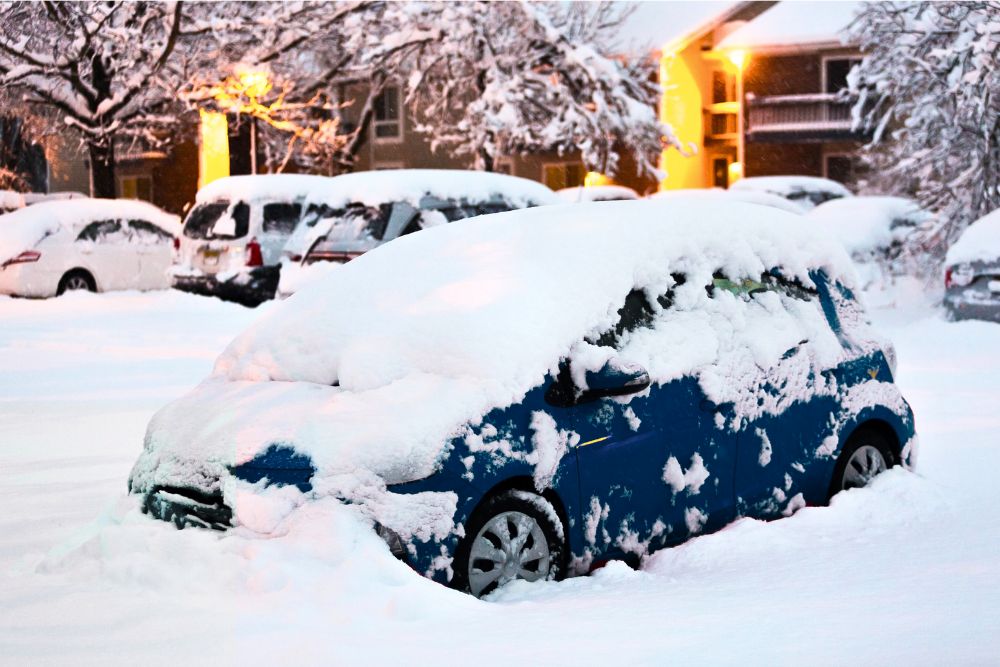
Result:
x=681 y=105
x=213 y=153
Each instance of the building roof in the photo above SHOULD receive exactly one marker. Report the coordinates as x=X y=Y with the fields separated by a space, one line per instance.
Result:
x=788 y=25
x=671 y=25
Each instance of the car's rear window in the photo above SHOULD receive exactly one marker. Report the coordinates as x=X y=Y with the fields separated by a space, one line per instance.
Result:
x=202 y=219
x=280 y=218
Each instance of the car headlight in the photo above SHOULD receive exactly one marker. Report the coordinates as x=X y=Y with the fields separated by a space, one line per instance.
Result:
x=397 y=547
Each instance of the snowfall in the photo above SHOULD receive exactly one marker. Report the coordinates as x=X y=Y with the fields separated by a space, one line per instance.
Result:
x=905 y=570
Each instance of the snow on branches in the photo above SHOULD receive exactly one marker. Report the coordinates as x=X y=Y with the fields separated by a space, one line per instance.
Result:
x=929 y=91
x=492 y=79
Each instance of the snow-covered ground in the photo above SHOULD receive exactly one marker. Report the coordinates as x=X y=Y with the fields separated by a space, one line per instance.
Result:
x=907 y=570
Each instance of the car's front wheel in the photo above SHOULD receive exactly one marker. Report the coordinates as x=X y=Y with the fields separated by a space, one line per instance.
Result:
x=77 y=279
x=866 y=454
x=514 y=535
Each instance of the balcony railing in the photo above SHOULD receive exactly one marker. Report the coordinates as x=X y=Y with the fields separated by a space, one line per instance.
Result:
x=791 y=117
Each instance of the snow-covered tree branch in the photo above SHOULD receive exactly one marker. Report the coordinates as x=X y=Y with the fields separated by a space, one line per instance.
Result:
x=929 y=87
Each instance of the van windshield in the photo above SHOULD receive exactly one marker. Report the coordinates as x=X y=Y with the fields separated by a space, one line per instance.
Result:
x=202 y=219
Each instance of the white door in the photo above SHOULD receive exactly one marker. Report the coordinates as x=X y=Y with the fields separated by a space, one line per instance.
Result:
x=155 y=247
x=105 y=249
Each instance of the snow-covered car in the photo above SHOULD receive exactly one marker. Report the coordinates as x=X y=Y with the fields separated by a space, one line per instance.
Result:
x=872 y=231
x=355 y=213
x=233 y=236
x=529 y=394
x=31 y=198
x=805 y=191
x=748 y=196
x=972 y=272
x=597 y=193
x=86 y=244
x=10 y=201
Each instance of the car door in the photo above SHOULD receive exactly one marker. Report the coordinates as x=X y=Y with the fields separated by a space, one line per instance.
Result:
x=278 y=222
x=653 y=468
x=155 y=248
x=105 y=249
x=775 y=469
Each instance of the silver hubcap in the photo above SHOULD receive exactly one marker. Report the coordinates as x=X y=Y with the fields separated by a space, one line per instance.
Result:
x=863 y=465
x=77 y=282
x=510 y=546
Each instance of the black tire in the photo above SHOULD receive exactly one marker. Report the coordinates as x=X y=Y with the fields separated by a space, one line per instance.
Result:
x=860 y=439
x=75 y=280
x=493 y=509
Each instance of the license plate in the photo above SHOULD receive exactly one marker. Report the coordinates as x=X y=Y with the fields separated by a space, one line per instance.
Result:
x=211 y=256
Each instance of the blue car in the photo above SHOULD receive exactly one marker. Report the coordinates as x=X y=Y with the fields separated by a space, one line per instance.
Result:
x=676 y=365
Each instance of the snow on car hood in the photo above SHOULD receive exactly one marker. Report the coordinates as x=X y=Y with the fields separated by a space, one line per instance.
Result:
x=866 y=224
x=980 y=242
x=25 y=228
x=425 y=335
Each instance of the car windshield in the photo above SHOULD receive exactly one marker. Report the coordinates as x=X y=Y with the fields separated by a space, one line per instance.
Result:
x=201 y=220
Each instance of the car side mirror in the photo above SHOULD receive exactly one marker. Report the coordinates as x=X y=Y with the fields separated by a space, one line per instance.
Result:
x=615 y=378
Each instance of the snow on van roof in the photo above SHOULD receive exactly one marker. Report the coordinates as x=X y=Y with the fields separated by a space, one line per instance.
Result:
x=980 y=242
x=864 y=224
x=788 y=185
x=789 y=24
x=24 y=228
x=377 y=187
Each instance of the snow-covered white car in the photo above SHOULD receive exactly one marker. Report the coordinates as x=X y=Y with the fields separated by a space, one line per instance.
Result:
x=804 y=191
x=872 y=230
x=233 y=236
x=747 y=196
x=86 y=244
x=972 y=272
x=355 y=213
x=10 y=201
x=597 y=193
x=529 y=394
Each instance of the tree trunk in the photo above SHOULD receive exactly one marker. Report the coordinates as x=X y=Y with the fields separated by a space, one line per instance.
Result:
x=102 y=169
x=486 y=160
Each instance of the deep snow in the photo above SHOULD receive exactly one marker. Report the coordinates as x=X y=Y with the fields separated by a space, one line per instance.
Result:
x=906 y=570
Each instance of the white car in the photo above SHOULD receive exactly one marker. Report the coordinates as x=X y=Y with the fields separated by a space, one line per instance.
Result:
x=85 y=244
x=597 y=193
x=361 y=211
x=233 y=236
x=872 y=231
x=805 y=191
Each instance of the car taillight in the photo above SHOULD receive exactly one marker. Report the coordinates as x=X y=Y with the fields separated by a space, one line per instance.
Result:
x=959 y=275
x=254 y=257
x=24 y=258
x=947 y=277
x=177 y=243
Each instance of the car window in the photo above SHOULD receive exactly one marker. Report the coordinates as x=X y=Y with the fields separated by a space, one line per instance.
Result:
x=281 y=218
x=103 y=231
x=493 y=207
x=148 y=233
x=771 y=281
x=316 y=212
x=202 y=219
x=241 y=220
x=353 y=222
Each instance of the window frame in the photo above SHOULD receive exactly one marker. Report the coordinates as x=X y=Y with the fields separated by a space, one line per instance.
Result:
x=824 y=79
x=382 y=122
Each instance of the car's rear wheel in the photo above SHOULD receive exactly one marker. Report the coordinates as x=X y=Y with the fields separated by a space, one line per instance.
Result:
x=513 y=535
x=76 y=280
x=866 y=455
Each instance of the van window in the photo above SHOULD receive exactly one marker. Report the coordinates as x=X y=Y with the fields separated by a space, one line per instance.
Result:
x=281 y=218
x=202 y=218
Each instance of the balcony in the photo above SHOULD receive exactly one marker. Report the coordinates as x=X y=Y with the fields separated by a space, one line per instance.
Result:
x=812 y=117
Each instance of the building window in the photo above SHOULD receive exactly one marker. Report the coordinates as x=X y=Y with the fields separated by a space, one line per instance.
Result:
x=564 y=175
x=839 y=168
x=723 y=87
x=720 y=172
x=503 y=166
x=388 y=119
x=723 y=124
x=136 y=187
x=835 y=71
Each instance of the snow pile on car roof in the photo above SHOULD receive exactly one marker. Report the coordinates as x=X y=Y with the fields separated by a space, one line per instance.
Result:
x=23 y=229
x=502 y=297
x=372 y=188
x=749 y=196
x=788 y=186
x=865 y=224
x=979 y=243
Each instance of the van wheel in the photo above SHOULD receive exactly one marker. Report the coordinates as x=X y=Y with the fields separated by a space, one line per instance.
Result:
x=866 y=454
x=77 y=279
x=513 y=535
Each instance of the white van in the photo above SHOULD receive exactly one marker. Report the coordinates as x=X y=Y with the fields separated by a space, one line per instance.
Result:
x=233 y=236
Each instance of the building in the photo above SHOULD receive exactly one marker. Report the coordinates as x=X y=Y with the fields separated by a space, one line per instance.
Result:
x=754 y=90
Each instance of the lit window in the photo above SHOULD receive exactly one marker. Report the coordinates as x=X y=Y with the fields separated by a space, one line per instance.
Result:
x=564 y=175
x=136 y=187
